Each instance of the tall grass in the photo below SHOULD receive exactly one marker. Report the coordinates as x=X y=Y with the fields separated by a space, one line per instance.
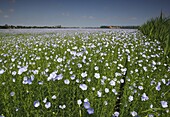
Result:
x=158 y=28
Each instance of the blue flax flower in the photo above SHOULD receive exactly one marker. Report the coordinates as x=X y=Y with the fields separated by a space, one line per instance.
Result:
x=90 y=111
x=86 y=105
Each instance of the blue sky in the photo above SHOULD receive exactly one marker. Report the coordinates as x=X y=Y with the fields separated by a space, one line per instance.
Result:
x=80 y=12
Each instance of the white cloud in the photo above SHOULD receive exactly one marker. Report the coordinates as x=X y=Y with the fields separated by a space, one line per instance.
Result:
x=65 y=14
x=88 y=17
x=91 y=17
x=133 y=18
x=6 y=16
x=11 y=10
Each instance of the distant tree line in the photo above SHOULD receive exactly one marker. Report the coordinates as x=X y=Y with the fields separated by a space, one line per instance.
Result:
x=6 y=26
x=120 y=27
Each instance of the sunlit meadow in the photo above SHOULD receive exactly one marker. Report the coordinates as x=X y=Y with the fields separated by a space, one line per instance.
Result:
x=109 y=73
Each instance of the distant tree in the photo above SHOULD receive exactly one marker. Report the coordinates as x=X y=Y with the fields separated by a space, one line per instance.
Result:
x=104 y=26
x=6 y=26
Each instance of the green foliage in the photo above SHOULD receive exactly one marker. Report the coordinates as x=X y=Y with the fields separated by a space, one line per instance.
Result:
x=158 y=28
